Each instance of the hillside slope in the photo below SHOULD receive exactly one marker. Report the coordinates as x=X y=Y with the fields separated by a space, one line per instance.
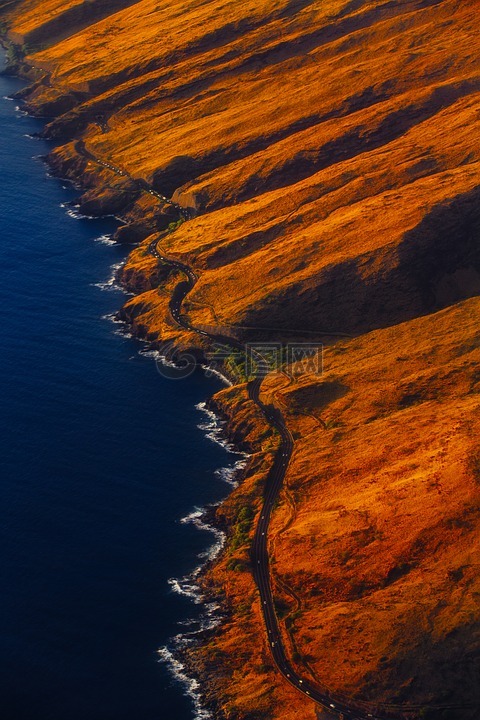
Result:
x=328 y=155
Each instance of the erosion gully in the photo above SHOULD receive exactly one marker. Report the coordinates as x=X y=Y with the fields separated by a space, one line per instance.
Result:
x=346 y=708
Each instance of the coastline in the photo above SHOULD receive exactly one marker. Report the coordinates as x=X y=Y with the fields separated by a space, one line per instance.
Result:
x=181 y=655
x=189 y=656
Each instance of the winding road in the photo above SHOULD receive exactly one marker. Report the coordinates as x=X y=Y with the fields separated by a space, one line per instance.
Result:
x=273 y=485
x=274 y=482
x=345 y=708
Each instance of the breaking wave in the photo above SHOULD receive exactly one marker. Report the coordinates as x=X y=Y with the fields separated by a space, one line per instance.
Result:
x=105 y=240
x=191 y=686
x=189 y=586
x=111 y=283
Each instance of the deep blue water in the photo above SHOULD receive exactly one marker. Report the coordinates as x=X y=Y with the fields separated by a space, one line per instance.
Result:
x=100 y=459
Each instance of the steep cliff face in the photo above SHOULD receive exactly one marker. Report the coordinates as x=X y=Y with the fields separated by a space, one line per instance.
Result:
x=329 y=156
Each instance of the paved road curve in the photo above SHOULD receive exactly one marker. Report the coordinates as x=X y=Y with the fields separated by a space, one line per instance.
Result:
x=259 y=550
x=344 y=707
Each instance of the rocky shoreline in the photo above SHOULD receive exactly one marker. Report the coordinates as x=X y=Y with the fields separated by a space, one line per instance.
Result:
x=207 y=694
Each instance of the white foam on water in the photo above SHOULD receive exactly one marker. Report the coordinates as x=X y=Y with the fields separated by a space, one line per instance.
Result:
x=111 y=283
x=196 y=518
x=158 y=357
x=72 y=209
x=149 y=353
x=171 y=656
x=188 y=586
x=213 y=371
x=230 y=473
x=191 y=685
x=112 y=317
x=122 y=327
x=74 y=213
x=184 y=586
x=105 y=240
x=214 y=428
x=189 y=622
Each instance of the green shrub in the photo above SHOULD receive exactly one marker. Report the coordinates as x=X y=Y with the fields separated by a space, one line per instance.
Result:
x=236 y=565
x=13 y=54
x=175 y=225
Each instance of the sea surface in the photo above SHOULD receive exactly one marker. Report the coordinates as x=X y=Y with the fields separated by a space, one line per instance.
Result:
x=101 y=458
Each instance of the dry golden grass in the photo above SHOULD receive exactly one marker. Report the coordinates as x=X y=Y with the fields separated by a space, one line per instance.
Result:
x=330 y=152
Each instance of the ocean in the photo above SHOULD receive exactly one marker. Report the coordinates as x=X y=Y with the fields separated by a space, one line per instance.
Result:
x=101 y=460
